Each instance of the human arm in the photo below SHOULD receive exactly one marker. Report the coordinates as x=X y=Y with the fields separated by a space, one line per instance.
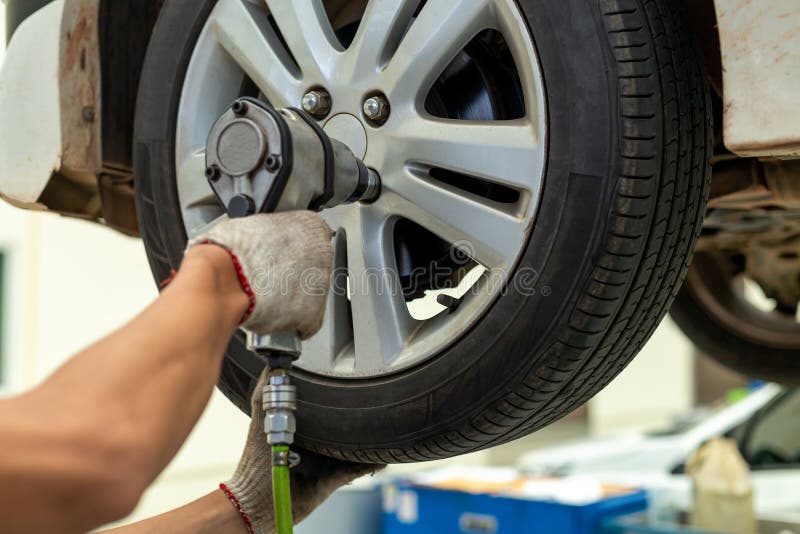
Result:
x=212 y=514
x=79 y=450
x=85 y=444
x=247 y=497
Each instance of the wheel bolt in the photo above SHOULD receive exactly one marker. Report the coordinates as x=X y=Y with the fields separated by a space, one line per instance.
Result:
x=317 y=103
x=377 y=109
x=272 y=163
x=239 y=108
x=213 y=173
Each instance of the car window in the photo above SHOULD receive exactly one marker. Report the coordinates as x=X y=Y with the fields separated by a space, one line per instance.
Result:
x=774 y=438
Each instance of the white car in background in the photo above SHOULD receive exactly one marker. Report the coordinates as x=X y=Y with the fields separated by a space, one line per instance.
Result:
x=765 y=425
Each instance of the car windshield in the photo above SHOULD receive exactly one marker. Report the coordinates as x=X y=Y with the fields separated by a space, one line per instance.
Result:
x=774 y=437
x=686 y=422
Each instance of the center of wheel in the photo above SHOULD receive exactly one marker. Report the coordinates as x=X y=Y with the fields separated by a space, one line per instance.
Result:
x=347 y=129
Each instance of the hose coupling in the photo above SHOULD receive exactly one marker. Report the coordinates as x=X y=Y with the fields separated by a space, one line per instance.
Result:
x=280 y=403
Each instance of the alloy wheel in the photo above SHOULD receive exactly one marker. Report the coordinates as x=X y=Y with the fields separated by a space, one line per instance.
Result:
x=461 y=176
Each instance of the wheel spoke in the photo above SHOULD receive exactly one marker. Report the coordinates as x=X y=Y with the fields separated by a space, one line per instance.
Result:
x=307 y=31
x=201 y=229
x=195 y=191
x=440 y=31
x=378 y=35
x=243 y=30
x=321 y=351
x=379 y=308
x=198 y=202
x=502 y=152
x=487 y=234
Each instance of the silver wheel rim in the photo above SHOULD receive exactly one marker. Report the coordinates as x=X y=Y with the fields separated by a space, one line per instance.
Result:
x=402 y=62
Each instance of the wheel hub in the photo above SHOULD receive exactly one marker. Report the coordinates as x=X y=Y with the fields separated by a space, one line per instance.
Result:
x=347 y=129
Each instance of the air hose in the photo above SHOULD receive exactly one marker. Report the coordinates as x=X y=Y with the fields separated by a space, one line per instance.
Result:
x=281 y=491
x=280 y=403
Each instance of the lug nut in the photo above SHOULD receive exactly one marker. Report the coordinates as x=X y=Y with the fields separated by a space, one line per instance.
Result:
x=377 y=109
x=317 y=103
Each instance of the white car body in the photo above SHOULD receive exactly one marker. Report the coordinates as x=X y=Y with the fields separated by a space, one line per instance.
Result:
x=649 y=461
x=29 y=100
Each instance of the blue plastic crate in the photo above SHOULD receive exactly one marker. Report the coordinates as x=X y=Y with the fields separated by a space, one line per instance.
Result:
x=424 y=510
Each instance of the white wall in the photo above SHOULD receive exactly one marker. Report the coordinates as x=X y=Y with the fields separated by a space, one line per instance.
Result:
x=654 y=388
x=75 y=282
x=16 y=232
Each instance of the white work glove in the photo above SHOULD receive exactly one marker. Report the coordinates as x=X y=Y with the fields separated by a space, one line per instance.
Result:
x=313 y=481
x=284 y=262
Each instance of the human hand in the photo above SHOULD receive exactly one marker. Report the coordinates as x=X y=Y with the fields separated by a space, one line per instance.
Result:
x=284 y=262
x=312 y=482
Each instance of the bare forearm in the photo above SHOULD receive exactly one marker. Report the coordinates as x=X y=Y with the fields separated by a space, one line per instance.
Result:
x=123 y=406
x=213 y=514
x=153 y=378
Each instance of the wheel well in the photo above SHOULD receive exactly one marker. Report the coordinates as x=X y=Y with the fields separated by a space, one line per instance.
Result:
x=703 y=21
x=125 y=28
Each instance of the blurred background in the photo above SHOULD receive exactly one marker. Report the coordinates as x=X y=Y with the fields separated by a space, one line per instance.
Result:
x=47 y=261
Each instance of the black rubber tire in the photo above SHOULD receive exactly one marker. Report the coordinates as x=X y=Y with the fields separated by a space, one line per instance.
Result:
x=731 y=348
x=623 y=202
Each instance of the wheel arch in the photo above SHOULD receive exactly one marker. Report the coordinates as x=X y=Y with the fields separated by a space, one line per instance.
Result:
x=124 y=28
x=124 y=31
x=95 y=49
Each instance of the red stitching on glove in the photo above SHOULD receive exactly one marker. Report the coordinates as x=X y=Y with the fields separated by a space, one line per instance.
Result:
x=231 y=497
x=167 y=281
x=242 y=279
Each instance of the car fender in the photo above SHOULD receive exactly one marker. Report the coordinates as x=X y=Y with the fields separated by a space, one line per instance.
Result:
x=30 y=123
x=50 y=150
x=760 y=44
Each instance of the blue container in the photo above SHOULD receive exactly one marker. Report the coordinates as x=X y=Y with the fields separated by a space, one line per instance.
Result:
x=351 y=510
x=424 y=510
x=637 y=524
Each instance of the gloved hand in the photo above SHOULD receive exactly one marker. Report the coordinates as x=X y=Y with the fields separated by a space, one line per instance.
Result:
x=313 y=481
x=284 y=262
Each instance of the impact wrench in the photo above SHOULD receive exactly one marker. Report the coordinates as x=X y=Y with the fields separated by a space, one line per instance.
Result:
x=263 y=160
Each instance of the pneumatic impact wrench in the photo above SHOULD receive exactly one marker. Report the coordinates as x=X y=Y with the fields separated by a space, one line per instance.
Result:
x=263 y=160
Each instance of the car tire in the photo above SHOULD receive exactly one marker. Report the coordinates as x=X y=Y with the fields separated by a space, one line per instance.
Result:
x=729 y=329
x=624 y=194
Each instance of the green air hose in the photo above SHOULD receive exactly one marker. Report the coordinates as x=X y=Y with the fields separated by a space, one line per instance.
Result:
x=282 y=493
